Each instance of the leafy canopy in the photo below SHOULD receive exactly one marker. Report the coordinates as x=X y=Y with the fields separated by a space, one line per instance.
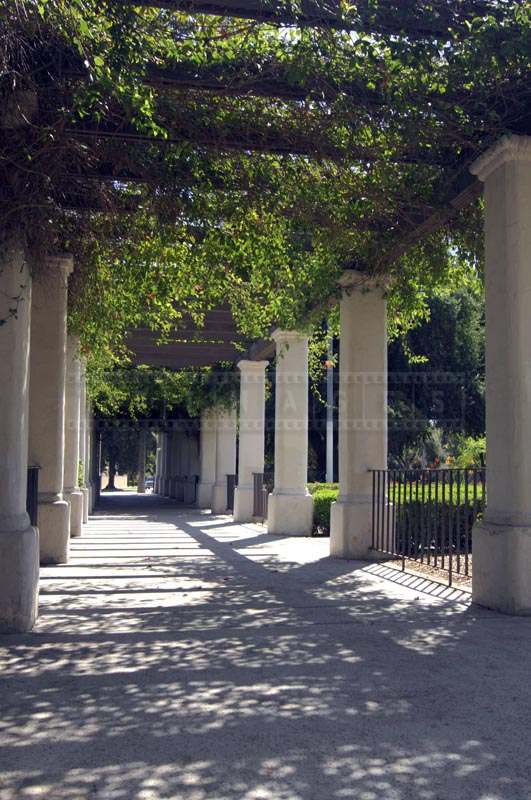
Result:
x=243 y=195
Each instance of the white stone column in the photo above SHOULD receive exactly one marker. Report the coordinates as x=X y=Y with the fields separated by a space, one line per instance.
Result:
x=207 y=458
x=290 y=510
x=72 y=491
x=168 y=458
x=95 y=478
x=83 y=436
x=89 y=449
x=501 y=542
x=225 y=457
x=193 y=455
x=190 y=493
x=141 y=488
x=158 y=451
x=184 y=454
x=19 y=541
x=362 y=413
x=251 y=439
x=47 y=405
x=175 y=461
x=164 y=463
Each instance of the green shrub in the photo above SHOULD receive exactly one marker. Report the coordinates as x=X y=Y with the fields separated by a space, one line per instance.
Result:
x=471 y=452
x=317 y=487
x=422 y=526
x=322 y=500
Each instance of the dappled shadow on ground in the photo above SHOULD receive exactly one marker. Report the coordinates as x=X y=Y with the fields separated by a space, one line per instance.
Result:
x=180 y=656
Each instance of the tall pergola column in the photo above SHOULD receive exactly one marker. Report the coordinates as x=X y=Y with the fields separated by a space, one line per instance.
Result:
x=19 y=541
x=207 y=458
x=501 y=542
x=290 y=510
x=72 y=491
x=225 y=457
x=190 y=493
x=95 y=463
x=47 y=404
x=83 y=460
x=362 y=413
x=158 y=451
x=90 y=456
x=251 y=435
x=141 y=487
x=168 y=464
x=176 y=456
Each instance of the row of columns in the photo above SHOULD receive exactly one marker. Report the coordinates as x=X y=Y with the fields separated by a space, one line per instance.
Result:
x=501 y=573
x=176 y=464
x=33 y=402
x=363 y=429
x=43 y=423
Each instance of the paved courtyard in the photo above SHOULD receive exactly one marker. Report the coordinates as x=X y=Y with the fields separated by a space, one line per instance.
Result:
x=181 y=656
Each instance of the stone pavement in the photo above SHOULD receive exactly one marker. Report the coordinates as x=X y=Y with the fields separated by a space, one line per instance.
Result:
x=181 y=656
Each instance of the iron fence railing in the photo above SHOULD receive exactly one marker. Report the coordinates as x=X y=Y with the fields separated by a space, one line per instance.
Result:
x=232 y=482
x=427 y=515
x=32 y=495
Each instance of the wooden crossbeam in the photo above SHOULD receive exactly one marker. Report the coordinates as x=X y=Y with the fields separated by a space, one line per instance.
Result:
x=467 y=189
x=237 y=83
x=252 y=141
x=397 y=17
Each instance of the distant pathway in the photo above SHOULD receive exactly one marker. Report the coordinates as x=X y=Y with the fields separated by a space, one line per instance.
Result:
x=181 y=656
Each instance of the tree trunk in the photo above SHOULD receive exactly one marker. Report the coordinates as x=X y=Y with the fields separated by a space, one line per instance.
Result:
x=112 y=472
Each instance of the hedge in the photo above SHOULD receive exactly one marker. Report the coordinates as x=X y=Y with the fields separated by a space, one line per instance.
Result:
x=416 y=521
x=322 y=500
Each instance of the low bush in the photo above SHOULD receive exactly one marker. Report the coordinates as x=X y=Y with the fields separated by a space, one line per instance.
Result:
x=435 y=526
x=317 y=487
x=418 y=522
x=322 y=500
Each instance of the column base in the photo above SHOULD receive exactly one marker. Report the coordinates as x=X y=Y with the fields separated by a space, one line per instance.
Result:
x=351 y=528
x=85 y=493
x=501 y=567
x=54 y=531
x=19 y=580
x=243 y=504
x=290 y=514
x=204 y=495
x=75 y=500
x=219 y=498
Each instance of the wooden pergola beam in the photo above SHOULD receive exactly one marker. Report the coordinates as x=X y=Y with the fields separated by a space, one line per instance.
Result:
x=237 y=84
x=396 y=17
x=252 y=141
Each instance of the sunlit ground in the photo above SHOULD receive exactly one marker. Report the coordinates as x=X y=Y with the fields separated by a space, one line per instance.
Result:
x=181 y=656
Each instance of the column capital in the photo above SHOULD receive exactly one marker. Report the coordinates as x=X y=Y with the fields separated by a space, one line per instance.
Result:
x=252 y=366
x=353 y=279
x=281 y=337
x=508 y=148
x=63 y=263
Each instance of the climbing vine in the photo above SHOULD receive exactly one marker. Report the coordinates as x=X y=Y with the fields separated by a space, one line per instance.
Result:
x=314 y=150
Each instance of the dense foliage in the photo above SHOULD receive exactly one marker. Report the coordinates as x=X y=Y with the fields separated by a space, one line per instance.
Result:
x=176 y=199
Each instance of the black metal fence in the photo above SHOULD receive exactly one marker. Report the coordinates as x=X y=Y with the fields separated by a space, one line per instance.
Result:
x=232 y=482
x=427 y=515
x=32 y=495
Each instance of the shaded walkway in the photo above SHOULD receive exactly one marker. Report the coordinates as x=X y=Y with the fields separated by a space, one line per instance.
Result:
x=181 y=656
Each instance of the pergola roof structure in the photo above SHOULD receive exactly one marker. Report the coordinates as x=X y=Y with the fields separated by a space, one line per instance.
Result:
x=175 y=83
x=217 y=340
